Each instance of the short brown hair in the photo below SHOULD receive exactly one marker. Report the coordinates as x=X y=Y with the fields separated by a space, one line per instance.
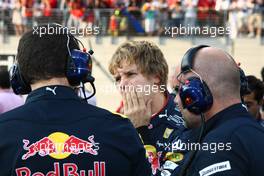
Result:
x=146 y=55
x=44 y=57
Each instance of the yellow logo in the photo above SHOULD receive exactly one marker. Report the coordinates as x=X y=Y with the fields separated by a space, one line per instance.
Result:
x=59 y=140
x=174 y=157
x=167 y=133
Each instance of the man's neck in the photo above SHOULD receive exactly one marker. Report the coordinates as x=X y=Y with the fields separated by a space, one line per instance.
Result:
x=50 y=82
x=220 y=106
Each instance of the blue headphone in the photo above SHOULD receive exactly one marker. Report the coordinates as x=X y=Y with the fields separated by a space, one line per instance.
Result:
x=194 y=93
x=79 y=67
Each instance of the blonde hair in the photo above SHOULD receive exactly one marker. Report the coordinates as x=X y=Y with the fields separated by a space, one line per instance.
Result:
x=146 y=55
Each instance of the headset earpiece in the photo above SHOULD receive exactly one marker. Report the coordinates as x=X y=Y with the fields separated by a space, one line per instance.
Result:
x=195 y=95
x=79 y=67
x=17 y=81
x=244 y=89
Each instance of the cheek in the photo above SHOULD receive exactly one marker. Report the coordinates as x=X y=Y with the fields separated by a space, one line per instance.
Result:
x=140 y=81
x=177 y=100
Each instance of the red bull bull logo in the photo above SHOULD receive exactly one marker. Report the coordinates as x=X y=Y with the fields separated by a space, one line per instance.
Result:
x=59 y=146
x=43 y=147
x=76 y=145
x=68 y=169
x=153 y=158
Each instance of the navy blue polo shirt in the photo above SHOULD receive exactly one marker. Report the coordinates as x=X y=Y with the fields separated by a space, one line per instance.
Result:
x=55 y=133
x=232 y=146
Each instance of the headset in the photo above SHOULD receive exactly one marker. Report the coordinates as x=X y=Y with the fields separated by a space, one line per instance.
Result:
x=196 y=96
x=194 y=93
x=78 y=69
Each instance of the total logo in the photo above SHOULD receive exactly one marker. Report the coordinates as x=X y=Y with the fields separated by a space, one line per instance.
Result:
x=59 y=145
x=69 y=169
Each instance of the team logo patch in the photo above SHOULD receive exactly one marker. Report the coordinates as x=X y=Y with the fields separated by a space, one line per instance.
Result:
x=153 y=158
x=214 y=168
x=167 y=133
x=174 y=157
x=59 y=145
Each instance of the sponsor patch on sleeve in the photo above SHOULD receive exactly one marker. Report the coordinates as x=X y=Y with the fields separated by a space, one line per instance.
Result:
x=215 y=168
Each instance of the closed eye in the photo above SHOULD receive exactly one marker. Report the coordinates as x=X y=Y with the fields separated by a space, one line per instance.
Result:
x=117 y=78
x=128 y=74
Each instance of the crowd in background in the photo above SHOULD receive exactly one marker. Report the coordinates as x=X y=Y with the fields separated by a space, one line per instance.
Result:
x=133 y=17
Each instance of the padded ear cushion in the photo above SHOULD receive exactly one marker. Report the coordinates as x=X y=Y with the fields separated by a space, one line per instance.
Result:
x=78 y=67
x=244 y=88
x=196 y=95
x=187 y=60
x=18 y=83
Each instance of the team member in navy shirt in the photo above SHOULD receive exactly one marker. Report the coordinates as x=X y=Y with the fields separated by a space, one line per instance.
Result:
x=56 y=133
x=213 y=74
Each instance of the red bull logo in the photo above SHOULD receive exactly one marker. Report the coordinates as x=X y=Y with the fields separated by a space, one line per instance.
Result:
x=76 y=145
x=153 y=158
x=43 y=147
x=68 y=169
x=59 y=146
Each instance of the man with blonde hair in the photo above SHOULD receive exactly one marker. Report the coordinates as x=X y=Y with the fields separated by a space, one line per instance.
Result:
x=141 y=73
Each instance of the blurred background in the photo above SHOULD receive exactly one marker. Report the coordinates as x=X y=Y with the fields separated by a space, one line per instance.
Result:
x=236 y=26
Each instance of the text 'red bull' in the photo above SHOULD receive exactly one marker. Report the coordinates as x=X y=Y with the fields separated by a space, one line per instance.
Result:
x=68 y=169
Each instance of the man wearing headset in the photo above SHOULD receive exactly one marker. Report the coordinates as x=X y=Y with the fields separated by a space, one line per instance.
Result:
x=55 y=133
x=210 y=86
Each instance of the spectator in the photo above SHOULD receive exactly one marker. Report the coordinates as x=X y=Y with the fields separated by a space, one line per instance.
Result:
x=205 y=14
x=49 y=12
x=76 y=8
x=103 y=14
x=176 y=12
x=89 y=17
x=141 y=72
x=8 y=100
x=234 y=10
x=163 y=15
x=17 y=18
x=27 y=13
x=254 y=100
x=190 y=8
x=150 y=13
x=55 y=132
x=255 y=19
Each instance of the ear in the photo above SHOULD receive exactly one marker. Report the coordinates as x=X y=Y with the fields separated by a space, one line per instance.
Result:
x=156 y=80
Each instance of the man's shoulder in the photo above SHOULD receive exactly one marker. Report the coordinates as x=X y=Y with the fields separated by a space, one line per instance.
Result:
x=35 y=113
x=242 y=133
x=12 y=114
